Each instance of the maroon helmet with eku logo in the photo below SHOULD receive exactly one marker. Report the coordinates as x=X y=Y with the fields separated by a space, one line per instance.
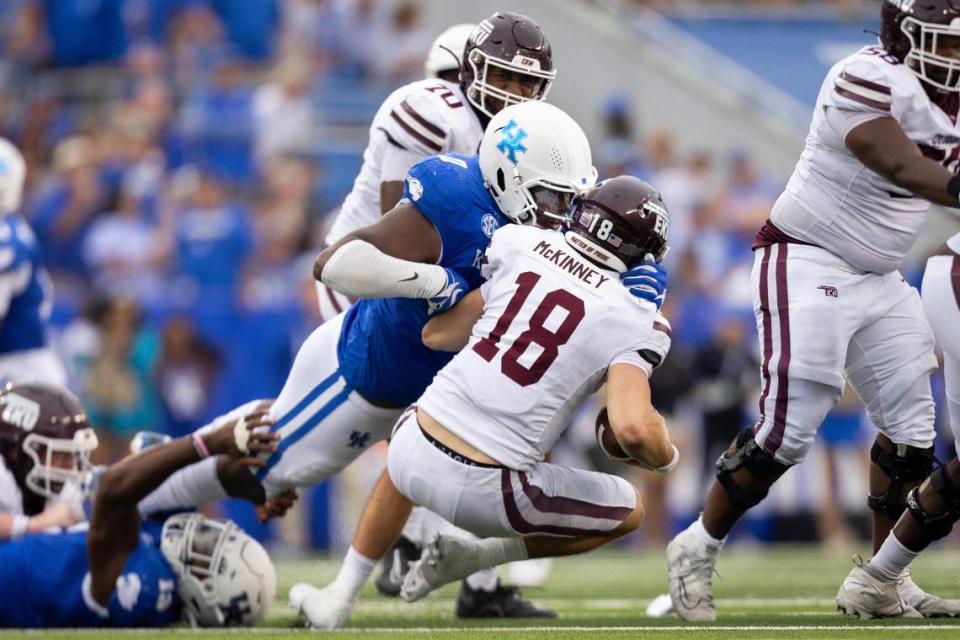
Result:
x=619 y=222
x=512 y=42
x=45 y=438
x=917 y=32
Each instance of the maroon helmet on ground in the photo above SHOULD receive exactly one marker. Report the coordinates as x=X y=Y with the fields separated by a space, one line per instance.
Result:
x=619 y=222
x=513 y=43
x=45 y=437
x=924 y=35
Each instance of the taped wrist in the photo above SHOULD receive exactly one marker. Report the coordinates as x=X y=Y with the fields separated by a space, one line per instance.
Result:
x=748 y=454
x=905 y=464
x=361 y=270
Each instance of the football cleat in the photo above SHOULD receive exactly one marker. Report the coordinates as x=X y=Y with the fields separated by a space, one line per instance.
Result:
x=690 y=568
x=328 y=608
x=395 y=566
x=926 y=604
x=863 y=595
x=502 y=602
x=444 y=560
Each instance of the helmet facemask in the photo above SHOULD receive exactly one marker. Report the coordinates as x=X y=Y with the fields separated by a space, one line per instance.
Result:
x=490 y=99
x=49 y=474
x=925 y=57
x=547 y=202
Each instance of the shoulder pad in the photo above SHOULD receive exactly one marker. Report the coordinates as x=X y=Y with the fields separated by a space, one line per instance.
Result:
x=416 y=123
x=864 y=83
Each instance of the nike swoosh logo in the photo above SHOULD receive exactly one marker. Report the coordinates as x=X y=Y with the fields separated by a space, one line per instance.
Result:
x=411 y=278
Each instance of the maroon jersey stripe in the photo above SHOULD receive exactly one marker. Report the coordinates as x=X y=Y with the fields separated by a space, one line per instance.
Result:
x=426 y=124
x=333 y=300
x=424 y=140
x=569 y=506
x=783 y=365
x=521 y=525
x=856 y=97
x=866 y=84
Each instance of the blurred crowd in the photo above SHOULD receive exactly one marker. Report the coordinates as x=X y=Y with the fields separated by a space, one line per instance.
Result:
x=179 y=185
x=839 y=6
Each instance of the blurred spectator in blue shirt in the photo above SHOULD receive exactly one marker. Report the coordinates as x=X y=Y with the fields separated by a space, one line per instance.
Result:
x=251 y=25
x=186 y=376
x=212 y=240
x=618 y=152
x=283 y=111
x=85 y=31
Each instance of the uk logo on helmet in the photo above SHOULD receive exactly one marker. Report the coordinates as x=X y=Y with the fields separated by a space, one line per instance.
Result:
x=512 y=144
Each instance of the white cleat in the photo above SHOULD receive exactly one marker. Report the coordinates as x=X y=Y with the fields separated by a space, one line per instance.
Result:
x=926 y=604
x=445 y=560
x=865 y=596
x=690 y=568
x=529 y=573
x=328 y=608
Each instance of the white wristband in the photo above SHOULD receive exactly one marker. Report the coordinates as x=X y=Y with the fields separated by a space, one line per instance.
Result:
x=361 y=270
x=673 y=463
x=241 y=435
x=19 y=526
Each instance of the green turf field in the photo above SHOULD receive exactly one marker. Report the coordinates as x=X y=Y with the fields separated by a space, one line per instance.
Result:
x=761 y=593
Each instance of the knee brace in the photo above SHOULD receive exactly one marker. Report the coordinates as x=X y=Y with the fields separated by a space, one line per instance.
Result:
x=905 y=464
x=949 y=492
x=757 y=461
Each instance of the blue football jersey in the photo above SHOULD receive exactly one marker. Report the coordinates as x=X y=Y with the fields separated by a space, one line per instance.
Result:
x=380 y=351
x=47 y=584
x=23 y=325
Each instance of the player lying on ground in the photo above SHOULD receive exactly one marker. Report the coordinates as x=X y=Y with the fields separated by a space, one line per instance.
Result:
x=128 y=572
x=352 y=377
x=831 y=307
x=43 y=463
x=580 y=320
x=869 y=590
x=506 y=60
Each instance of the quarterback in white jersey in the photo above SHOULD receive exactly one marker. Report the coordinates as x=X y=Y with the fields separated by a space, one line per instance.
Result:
x=470 y=77
x=830 y=306
x=554 y=323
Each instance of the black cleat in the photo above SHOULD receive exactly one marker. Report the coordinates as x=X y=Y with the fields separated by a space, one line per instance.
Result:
x=395 y=566
x=502 y=602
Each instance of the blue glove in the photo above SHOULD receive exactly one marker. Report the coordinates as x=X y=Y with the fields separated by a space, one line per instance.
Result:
x=456 y=287
x=647 y=281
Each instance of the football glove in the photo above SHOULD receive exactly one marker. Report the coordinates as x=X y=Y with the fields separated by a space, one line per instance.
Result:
x=452 y=292
x=647 y=281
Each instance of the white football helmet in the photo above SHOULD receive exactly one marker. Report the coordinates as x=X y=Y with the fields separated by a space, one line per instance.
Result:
x=13 y=171
x=224 y=577
x=534 y=159
x=446 y=50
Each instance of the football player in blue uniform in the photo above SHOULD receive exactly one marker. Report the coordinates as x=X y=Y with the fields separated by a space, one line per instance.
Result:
x=124 y=572
x=25 y=354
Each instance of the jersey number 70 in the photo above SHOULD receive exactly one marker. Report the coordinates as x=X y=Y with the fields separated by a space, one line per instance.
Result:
x=536 y=333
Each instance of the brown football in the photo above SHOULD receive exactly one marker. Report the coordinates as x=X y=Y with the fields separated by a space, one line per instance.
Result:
x=607 y=441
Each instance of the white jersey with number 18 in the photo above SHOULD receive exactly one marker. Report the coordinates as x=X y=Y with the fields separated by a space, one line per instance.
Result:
x=553 y=323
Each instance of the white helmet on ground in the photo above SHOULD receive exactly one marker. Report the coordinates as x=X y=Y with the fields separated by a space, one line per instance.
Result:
x=13 y=171
x=534 y=159
x=224 y=577
x=447 y=49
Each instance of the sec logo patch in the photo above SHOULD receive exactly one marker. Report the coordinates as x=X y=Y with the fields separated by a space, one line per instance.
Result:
x=489 y=224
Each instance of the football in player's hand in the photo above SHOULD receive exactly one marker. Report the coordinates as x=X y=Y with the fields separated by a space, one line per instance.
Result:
x=607 y=441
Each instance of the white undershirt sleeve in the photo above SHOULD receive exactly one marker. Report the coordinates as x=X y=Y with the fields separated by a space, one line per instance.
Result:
x=396 y=163
x=843 y=121
x=361 y=270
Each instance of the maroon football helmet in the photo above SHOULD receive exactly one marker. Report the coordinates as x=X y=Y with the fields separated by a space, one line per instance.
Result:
x=513 y=43
x=45 y=438
x=619 y=222
x=924 y=35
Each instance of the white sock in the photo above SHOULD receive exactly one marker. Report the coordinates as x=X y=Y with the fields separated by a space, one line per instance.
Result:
x=892 y=559
x=492 y=552
x=485 y=580
x=354 y=572
x=189 y=487
x=698 y=528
